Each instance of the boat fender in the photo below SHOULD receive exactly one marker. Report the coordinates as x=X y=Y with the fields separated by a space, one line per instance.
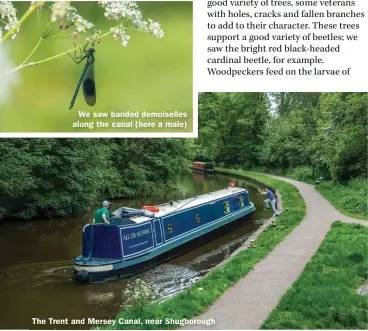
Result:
x=147 y=213
x=151 y=208
x=81 y=276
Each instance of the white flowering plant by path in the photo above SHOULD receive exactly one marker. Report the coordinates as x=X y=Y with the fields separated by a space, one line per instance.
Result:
x=138 y=294
x=64 y=18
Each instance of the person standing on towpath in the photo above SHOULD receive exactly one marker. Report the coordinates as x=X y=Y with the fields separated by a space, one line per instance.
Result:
x=271 y=198
x=102 y=215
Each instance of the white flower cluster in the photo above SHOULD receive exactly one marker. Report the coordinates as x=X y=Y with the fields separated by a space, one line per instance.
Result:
x=82 y=24
x=59 y=10
x=123 y=12
x=119 y=33
x=155 y=29
x=138 y=293
x=116 y=10
x=9 y=14
x=128 y=11
x=67 y=15
x=95 y=38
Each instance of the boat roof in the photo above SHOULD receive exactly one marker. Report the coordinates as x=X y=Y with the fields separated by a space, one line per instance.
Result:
x=202 y=162
x=189 y=203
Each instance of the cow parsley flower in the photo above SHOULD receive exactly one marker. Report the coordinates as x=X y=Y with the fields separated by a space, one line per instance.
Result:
x=155 y=29
x=95 y=38
x=59 y=10
x=116 y=10
x=138 y=294
x=128 y=11
x=8 y=13
x=119 y=33
x=81 y=24
x=102 y=4
x=67 y=16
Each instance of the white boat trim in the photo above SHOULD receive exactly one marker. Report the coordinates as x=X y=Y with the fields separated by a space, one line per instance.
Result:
x=107 y=267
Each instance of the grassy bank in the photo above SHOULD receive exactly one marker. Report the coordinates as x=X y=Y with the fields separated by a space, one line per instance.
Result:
x=197 y=299
x=350 y=199
x=324 y=296
x=303 y=174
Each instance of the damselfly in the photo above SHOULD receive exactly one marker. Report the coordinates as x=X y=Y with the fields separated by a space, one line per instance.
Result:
x=87 y=79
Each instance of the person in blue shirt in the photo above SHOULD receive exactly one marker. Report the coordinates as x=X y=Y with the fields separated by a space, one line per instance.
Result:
x=271 y=198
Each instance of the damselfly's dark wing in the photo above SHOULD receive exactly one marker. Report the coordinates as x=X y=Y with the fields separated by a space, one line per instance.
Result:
x=89 y=87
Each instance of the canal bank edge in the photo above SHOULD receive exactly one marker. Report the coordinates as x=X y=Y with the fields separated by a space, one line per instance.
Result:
x=250 y=242
x=197 y=299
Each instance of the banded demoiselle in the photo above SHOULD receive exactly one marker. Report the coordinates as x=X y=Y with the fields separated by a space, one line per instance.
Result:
x=87 y=79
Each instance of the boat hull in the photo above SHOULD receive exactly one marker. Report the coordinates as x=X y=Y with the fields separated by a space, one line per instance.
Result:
x=205 y=167
x=205 y=171
x=132 y=244
x=118 y=270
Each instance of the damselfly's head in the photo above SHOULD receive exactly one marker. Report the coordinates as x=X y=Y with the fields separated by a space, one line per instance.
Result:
x=91 y=50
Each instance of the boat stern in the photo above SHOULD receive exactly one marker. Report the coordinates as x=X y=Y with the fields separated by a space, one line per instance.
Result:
x=101 y=250
x=93 y=270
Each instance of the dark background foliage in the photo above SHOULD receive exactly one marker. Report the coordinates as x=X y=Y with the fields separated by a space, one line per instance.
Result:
x=57 y=177
x=321 y=131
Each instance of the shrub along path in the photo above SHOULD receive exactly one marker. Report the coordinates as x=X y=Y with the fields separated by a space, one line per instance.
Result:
x=247 y=304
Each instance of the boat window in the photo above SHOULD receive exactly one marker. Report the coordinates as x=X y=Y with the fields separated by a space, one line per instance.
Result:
x=241 y=202
x=226 y=207
x=198 y=218
x=169 y=228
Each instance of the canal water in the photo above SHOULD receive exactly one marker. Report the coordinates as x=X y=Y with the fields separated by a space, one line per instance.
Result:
x=36 y=262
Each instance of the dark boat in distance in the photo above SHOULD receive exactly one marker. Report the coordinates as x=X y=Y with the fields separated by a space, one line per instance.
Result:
x=139 y=239
x=206 y=167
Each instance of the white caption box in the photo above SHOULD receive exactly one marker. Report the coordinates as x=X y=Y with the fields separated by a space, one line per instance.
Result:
x=353 y=54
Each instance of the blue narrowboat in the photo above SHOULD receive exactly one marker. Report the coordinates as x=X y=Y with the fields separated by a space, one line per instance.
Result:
x=139 y=239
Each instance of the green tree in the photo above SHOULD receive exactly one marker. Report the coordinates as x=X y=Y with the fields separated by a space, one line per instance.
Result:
x=57 y=177
x=325 y=132
x=231 y=125
x=340 y=144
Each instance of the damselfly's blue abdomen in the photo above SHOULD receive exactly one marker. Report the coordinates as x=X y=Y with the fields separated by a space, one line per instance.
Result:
x=87 y=80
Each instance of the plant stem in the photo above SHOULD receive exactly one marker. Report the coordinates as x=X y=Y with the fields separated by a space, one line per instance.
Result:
x=20 y=22
x=24 y=65
x=130 y=28
x=34 y=49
